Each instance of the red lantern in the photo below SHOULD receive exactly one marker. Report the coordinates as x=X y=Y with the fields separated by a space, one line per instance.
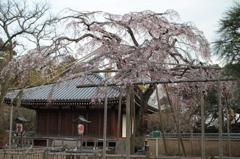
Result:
x=80 y=129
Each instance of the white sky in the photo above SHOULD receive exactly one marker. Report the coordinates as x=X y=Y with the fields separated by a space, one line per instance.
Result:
x=205 y=14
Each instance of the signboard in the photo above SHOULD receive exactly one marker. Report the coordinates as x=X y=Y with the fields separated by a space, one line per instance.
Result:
x=80 y=129
x=19 y=128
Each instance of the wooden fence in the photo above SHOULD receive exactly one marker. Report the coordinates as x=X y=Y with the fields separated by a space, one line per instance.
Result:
x=193 y=147
x=43 y=154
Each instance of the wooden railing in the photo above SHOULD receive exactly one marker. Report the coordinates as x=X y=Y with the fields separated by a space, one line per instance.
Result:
x=90 y=156
x=22 y=153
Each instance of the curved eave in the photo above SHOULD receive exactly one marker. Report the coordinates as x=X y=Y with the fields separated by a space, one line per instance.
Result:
x=53 y=103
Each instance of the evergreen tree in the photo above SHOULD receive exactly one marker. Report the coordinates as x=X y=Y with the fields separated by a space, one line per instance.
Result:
x=228 y=44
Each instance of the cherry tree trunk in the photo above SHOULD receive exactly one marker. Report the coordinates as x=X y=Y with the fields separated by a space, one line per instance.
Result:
x=175 y=119
x=160 y=121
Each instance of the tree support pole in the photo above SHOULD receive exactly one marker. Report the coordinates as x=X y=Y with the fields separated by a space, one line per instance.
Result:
x=157 y=82
x=220 y=118
x=203 y=150
x=228 y=134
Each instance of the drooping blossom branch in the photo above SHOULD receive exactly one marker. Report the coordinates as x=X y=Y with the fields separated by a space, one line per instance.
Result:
x=139 y=45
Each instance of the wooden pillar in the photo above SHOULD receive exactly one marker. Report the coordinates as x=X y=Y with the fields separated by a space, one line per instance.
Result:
x=10 y=127
x=128 y=122
x=133 y=124
x=36 y=119
x=228 y=134
x=59 y=121
x=47 y=130
x=73 y=123
x=105 y=125
x=228 y=124
x=113 y=122
x=119 y=114
x=99 y=123
x=87 y=116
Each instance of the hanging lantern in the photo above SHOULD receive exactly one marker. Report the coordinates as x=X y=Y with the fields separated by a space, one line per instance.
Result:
x=80 y=129
x=19 y=128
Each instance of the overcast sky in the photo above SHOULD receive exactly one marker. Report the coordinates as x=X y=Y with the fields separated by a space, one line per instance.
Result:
x=205 y=14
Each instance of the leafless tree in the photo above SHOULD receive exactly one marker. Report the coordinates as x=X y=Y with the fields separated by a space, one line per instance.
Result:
x=23 y=27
